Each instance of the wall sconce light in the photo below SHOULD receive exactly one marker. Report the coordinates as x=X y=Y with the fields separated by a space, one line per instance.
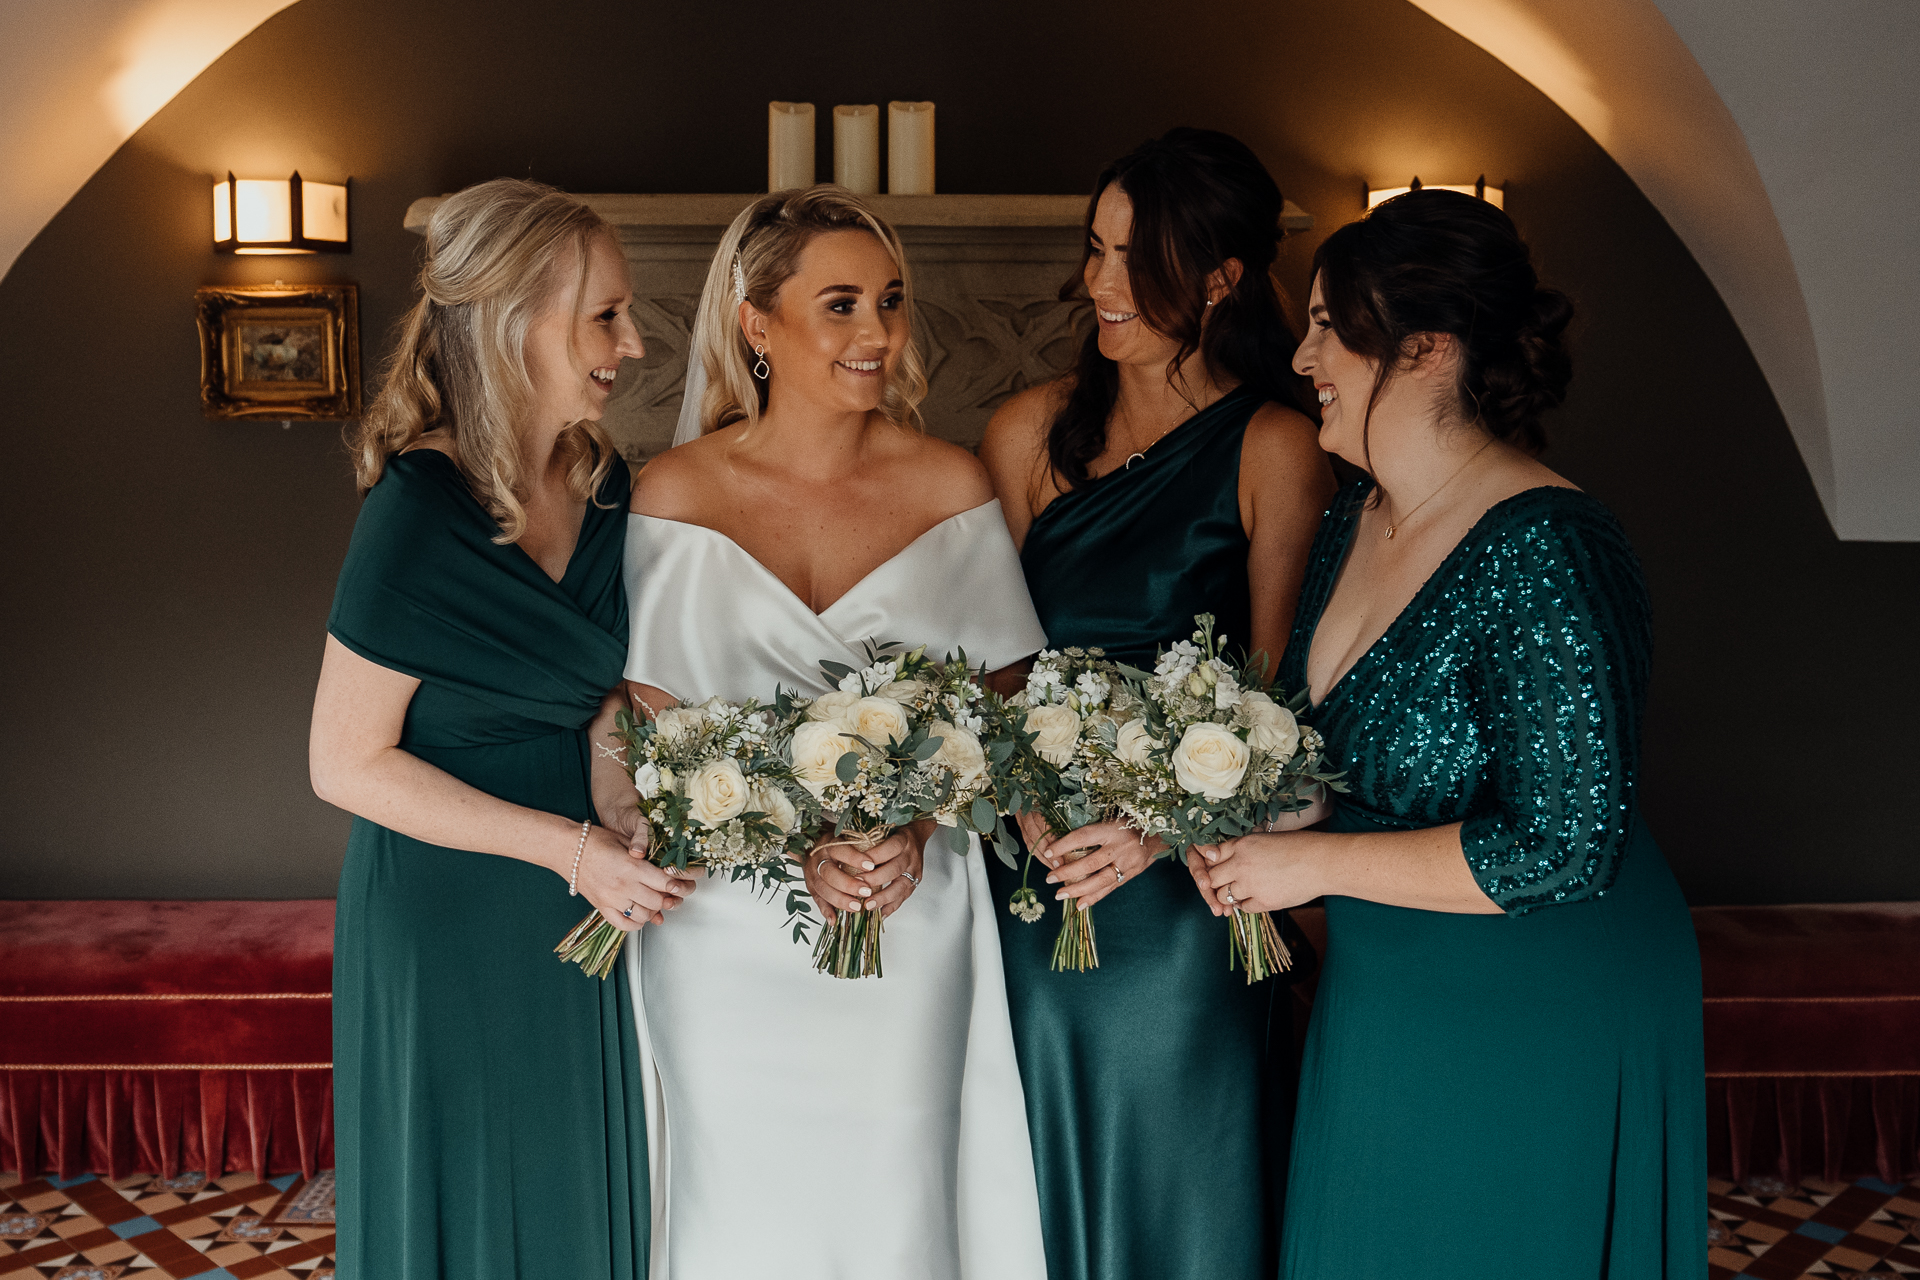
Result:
x=1479 y=190
x=279 y=215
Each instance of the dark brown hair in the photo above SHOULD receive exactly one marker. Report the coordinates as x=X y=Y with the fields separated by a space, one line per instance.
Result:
x=1444 y=262
x=1199 y=198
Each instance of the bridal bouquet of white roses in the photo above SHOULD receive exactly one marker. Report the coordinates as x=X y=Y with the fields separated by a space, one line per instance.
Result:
x=717 y=791
x=1069 y=693
x=1209 y=754
x=898 y=740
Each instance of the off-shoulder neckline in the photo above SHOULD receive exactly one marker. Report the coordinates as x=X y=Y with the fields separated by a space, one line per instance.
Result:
x=775 y=578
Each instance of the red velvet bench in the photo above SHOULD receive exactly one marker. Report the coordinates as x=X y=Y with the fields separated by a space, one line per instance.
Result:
x=1813 y=1039
x=156 y=1037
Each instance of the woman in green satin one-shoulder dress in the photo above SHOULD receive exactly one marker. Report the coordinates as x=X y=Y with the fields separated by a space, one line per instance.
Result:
x=1507 y=1026
x=489 y=1118
x=1157 y=481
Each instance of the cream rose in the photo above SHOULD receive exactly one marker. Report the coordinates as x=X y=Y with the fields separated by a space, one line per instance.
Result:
x=1132 y=742
x=1211 y=760
x=1055 y=729
x=959 y=751
x=646 y=780
x=1270 y=727
x=679 y=722
x=879 y=720
x=904 y=691
x=773 y=802
x=831 y=706
x=717 y=792
x=816 y=751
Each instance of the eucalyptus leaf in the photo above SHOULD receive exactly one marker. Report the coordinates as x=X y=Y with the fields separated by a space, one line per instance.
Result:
x=982 y=814
x=847 y=768
x=956 y=838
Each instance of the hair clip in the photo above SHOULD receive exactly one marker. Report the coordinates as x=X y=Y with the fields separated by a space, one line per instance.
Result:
x=739 y=282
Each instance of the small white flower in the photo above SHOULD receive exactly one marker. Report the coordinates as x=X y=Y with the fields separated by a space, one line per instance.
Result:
x=1093 y=687
x=646 y=780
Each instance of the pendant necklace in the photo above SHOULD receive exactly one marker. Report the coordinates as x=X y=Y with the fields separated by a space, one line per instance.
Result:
x=1395 y=524
x=1141 y=454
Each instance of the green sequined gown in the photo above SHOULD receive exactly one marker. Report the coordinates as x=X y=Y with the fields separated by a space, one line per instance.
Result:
x=489 y=1124
x=1518 y=1096
x=1160 y=1085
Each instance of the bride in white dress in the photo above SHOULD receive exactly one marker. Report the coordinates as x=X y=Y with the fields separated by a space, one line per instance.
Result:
x=802 y=1125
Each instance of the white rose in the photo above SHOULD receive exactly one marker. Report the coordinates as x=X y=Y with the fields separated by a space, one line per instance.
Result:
x=1211 y=760
x=679 y=722
x=1133 y=743
x=831 y=706
x=879 y=720
x=959 y=751
x=816 y=751
x=1270 y=727
x=717 y=792
x=904 y=690
x=1056 y=728
x=773 y=802
x=646 y=780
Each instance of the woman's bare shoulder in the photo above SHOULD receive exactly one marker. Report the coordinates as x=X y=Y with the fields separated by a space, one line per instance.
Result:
x=955 y=479
x=676 y=484
x=1020 y=424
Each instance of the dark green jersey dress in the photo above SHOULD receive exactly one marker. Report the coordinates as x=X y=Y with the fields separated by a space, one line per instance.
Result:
x=1159 y=1085
x=1529 y=1087
x=488 y=1117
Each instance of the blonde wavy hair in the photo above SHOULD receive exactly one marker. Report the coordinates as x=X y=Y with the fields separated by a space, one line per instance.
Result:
x=766 y=241
x=498 y=256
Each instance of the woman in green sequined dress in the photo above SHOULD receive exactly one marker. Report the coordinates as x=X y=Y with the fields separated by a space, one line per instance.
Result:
x=1162 y=479
x=1507 y=1029
x=489 y=1116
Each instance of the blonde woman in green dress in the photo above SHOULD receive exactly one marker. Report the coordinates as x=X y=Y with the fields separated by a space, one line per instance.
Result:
x=1508 y=1018
x=489 y=1120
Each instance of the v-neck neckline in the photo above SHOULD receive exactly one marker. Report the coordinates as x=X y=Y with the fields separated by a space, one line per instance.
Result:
x=777 y=580
x=579 y=535
x=1407 y=610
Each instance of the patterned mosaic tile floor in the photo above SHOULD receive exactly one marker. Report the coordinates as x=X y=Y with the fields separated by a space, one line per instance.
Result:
x=239 y=1228
x=1766 y=1230
x=148 y=1228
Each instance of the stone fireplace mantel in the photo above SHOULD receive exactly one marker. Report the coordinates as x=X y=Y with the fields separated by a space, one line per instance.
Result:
x=987 y=274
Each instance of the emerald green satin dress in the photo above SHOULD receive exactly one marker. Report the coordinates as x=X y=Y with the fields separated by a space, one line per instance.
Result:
x=1159 y=1086
x=1517 y=1096
x=488 y=1117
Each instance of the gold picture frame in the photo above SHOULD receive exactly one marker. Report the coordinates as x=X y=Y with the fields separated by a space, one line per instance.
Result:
x=279 y=351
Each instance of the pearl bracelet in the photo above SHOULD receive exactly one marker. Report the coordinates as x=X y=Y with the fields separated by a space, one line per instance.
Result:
x=573 y=880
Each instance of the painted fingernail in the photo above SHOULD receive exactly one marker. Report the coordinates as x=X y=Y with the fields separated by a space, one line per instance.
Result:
x=1060 y=895
x=865 y=892
x=867 y=865
x=1053 y=879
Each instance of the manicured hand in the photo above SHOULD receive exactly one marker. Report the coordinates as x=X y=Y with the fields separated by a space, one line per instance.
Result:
x=843 y=878
x=1261 y=872
x=1083 y=862
x=616 y=881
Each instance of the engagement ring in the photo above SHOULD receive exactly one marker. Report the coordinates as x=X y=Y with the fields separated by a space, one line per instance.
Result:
x=1119 y=876
x=912 y=879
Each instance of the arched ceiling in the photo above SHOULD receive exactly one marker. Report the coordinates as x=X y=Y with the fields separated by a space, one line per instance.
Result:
x=1781 y=141
x=78 y=77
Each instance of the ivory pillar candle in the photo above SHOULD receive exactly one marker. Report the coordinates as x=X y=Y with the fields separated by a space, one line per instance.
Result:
x=910 y=148
x=789 y=145
x=856 y=148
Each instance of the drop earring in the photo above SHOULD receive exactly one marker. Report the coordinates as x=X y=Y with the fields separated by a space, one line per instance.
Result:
x=760 y=370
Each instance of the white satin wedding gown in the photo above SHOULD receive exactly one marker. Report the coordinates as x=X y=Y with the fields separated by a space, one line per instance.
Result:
x=802 y=1126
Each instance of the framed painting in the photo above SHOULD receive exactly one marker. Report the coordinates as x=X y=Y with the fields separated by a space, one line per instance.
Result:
x=279 y=351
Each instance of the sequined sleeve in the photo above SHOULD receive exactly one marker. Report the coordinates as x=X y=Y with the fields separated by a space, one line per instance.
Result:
x=1564 y=650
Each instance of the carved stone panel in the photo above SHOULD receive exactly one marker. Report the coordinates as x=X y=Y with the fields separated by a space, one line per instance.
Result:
x=989 y=322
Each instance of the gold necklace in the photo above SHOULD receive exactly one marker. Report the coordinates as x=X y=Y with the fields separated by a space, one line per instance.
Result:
x=1141 y=454
x=1395 y=524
